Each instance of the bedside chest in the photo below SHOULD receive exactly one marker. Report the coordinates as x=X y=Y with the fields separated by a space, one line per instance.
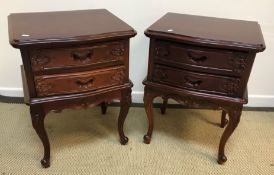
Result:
x=72 y=59
x=201 y=62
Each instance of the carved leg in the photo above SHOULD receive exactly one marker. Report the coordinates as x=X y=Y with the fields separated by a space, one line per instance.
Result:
x=163 y=107
x=224 y=121
x=148 y=102
x=125 y=104
x=234 y=119
x=104 y=107
x=38 y=116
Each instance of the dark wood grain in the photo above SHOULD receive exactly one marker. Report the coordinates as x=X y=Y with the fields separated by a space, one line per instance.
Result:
x=201 y=62
x=58 y=84
x=93 y=55
x=209 y=31
x=52 y=27
x=72 y=59
x=217 y=61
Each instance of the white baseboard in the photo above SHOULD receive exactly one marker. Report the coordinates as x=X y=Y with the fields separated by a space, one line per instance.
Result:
x=11 y=92
x=260 y=100
x=137 y=97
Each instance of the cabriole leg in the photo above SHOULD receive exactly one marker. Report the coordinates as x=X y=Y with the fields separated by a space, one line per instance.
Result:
x=234 y=119
x=38 y=116
x=125 y=104
x=148 y=102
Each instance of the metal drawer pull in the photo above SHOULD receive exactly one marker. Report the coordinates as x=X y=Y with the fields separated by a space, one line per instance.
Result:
x=196 y=58
x=82 y=56
x=84 y=83
x=193 y=83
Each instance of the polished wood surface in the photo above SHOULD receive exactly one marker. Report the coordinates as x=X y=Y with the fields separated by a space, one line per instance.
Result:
x=200 y=82
x=209 y=31
x=201 y=62
x=65 y=26
x=72 y=59
x=92 y=55
x=58 y=84
x=216 y=61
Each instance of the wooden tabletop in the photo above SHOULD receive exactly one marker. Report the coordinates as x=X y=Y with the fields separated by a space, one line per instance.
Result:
x=65 y=26
x=220 y=32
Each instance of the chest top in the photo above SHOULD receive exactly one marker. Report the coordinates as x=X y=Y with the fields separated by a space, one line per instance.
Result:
x=65 y=26
x=209 y=31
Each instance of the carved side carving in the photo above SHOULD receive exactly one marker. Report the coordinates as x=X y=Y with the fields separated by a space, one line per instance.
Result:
x=118 y=76
x=160 y=74
x=232 y=86
x=161 y=51
x=39 y=60
x=189 y=101
x=82 y=103
x=118 y=51
x=239 y=62
x=43 y=88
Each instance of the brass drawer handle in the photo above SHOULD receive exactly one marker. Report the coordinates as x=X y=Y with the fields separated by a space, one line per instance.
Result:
x=192 y=82
x=196 y=58
x=85 y=83
x=82 y=56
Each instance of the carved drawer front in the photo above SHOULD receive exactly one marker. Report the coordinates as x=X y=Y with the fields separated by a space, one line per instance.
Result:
x=99 y=54
x=79 y=82
x=207 y=83
x=205 y=59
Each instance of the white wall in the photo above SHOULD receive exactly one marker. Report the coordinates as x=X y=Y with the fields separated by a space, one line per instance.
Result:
x=140 y=14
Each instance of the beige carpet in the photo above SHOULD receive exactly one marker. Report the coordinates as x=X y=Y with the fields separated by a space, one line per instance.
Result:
x=185 y=141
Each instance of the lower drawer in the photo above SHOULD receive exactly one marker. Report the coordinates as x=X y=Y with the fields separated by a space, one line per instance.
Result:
x=201 y=82
x=58 y=84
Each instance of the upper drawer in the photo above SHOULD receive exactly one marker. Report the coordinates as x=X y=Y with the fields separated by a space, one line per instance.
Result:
x=208 y=83
x=97 y=54
x=58 y=84
x=205 y=59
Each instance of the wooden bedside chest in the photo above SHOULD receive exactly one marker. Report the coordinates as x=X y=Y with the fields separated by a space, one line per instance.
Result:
x=201 y=62
x=72 y=59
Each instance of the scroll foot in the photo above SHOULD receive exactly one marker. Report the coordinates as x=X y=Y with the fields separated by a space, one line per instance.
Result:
x=123 y=140
x=45 y=163
x=222 y=159
x=147 y=139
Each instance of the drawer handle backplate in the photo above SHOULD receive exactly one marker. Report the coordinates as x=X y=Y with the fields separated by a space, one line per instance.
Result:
x=192 y=82
x=196 y=58
x=82 y=56
x=85 y=83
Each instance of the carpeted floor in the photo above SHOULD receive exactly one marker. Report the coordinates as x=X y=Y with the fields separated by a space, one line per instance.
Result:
x=185 y=141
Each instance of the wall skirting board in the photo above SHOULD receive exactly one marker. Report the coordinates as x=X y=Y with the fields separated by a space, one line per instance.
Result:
x=137 y=97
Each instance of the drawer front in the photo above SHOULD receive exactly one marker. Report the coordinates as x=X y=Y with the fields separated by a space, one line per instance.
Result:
x=98 y=54
x=205 y=59
x=200 y=82
x=79 y=82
